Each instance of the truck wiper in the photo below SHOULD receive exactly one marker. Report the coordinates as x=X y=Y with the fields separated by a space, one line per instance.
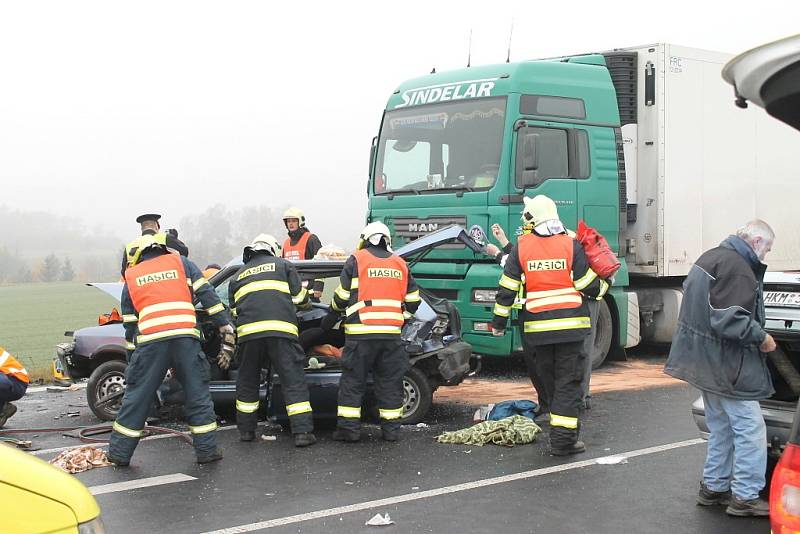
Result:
x=453 y=188
x=400 y=192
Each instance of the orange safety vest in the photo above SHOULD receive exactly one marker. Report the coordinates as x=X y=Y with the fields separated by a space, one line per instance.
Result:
x=11 y=367
x=160 y=293
x=298 y=251
x=547 y=264
x=382 y=287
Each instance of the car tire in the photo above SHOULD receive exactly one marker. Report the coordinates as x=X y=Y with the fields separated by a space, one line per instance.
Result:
x=603 y=336
x=107 y=378
x=417 y=396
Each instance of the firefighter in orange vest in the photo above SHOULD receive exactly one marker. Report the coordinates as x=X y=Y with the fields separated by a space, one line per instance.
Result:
x=14 y=382
x=301 y=245
x=265 y=293
x=158 y=314
x=376 y=294
x=555 y=317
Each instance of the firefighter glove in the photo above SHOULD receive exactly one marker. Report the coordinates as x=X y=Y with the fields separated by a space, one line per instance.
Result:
x=330 y=320
x=227 y=347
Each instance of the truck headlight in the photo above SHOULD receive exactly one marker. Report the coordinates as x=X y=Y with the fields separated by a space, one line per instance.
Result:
x=484 y=295
x=95 y=526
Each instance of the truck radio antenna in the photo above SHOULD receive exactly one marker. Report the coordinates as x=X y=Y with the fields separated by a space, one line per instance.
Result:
x=510 y=34
x=469 y=49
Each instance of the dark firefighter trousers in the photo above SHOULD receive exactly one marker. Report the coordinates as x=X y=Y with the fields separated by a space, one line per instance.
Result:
x=287 y=357
x=147 y=367
x=588 y=348
x=388 y=362
x=560 y=368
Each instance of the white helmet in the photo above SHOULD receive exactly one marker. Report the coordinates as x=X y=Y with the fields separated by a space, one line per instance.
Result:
x=295 y=213
x=539 y=209
x=262 y=242
x=373 y=233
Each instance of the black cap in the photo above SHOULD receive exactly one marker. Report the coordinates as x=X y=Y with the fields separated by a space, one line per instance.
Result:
x=148 y=217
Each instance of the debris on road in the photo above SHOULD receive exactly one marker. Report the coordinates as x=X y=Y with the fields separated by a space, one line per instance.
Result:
x=514 y=430
x=265 y=437
x=379 y=521
x=612 y=460
x=81 y=459
x=422 y=425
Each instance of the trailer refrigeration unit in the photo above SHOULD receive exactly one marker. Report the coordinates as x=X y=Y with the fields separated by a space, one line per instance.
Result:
x=642 y=143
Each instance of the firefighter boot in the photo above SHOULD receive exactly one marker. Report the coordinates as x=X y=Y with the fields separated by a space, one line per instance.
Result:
x=209 y=458
x=247 y=435
x=348 y=436
x=576 y=448
x=6 y=413
x=391 y=434
x=304 y=439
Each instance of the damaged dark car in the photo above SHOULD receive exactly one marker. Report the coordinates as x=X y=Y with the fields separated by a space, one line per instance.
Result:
x=432 y=340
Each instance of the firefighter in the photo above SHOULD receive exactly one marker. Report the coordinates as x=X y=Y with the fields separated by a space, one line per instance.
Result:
x=264 y=294
x=14 y=382
x=162 y=332
x=151 y=226
x=301 y=245
x=376 y=294
x=555 y=318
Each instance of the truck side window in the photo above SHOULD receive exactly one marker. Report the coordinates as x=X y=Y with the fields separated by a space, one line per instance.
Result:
x=545 y=153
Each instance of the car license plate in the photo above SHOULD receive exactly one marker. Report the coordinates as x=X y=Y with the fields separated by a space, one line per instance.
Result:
x=782 y=298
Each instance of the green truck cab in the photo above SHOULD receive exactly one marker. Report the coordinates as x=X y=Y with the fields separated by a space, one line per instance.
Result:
x=463 y=147
x=641 y=143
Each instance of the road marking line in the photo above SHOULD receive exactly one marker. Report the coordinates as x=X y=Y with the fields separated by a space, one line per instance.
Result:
x=140 y=483
x=44 y=452
x=408 y=497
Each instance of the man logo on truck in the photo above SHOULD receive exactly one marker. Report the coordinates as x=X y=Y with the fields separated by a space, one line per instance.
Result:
x=446 y=92
x=423 y=227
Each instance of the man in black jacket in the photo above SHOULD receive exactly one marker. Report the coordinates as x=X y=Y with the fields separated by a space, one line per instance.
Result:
x=151 y=226
x=719 y=347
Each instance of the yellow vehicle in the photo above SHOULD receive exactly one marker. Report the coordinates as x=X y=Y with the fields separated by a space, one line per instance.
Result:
x=35 y=497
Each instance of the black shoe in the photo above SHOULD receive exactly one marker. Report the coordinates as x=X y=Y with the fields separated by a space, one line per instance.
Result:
x=707 y=497
x=6 y=413
x=348 y=436
x=391 y=435
x=576 y=448
x=117 y=461
x=208 y=458
x=752 y=508
x=304 y=439
x=247 y=435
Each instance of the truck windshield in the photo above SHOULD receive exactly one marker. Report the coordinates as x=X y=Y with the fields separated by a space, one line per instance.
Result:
x=441 y=147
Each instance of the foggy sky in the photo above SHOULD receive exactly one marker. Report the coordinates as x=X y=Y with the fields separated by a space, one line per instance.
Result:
x=111 y=109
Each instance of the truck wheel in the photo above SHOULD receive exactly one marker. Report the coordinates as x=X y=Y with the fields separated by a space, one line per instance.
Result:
x=602 y=339
x=107 y=380
x=417 y=396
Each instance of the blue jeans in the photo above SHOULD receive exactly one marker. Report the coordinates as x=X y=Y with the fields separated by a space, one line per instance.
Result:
x=737 y=446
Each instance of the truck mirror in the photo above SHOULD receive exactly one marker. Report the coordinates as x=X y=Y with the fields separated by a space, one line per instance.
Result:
x=530 y=160
x=372 y=151
x=530 y=157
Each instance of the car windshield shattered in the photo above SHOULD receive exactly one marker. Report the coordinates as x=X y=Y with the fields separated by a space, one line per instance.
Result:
x=441 y=147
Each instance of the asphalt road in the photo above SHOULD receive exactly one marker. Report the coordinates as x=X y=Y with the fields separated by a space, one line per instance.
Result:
x=423 y=485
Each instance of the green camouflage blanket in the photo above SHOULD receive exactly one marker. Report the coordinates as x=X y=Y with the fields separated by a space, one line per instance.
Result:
x=514 y=430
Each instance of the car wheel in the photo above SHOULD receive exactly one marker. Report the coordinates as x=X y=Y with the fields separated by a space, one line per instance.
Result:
x=604 y=334
x=417 y=396
x=107 y=382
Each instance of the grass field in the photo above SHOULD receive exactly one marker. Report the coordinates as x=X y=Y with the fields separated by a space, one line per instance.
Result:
x=34 y=317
